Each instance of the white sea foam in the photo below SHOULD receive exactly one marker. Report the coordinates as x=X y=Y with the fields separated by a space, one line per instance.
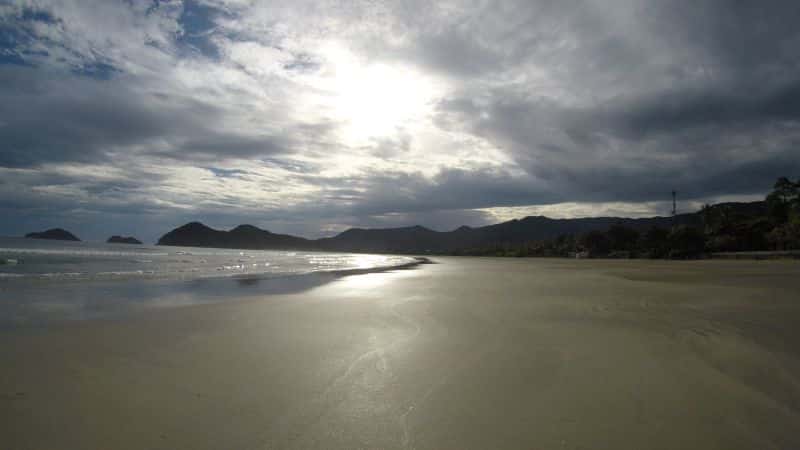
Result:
x=74 y=252
x=11 y=275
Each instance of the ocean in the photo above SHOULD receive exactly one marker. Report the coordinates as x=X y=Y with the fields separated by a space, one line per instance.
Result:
x=43 y=280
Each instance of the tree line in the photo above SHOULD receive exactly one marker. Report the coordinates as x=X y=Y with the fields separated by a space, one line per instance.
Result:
x=763 y=226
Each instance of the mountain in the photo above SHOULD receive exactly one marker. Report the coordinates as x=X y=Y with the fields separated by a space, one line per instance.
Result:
x=535 y=228
x=195 y=234
x=58 y=234
x=414 y=239
x=123 y=240
x=418 y=239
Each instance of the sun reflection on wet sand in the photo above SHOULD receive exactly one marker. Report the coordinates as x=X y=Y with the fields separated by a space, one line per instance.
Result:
x=375 y=280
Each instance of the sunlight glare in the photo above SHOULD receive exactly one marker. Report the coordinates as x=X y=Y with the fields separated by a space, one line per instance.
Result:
x=377 y=100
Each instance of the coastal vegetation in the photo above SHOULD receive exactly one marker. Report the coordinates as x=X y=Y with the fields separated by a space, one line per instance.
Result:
x=771 y=225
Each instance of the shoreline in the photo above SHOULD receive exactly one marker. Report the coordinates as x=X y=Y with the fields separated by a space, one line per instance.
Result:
x=39 y=303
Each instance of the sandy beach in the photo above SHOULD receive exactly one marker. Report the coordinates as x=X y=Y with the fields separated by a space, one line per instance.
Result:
x=468 y=353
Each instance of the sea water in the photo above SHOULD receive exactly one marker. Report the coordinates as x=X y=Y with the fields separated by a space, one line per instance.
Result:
x=47 y=279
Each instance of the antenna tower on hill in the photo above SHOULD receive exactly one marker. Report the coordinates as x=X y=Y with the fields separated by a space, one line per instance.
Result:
x=674 y=207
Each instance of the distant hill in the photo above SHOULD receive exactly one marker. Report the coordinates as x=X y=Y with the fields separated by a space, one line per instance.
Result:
x=195 y=234
x=416 y=239
x=58 y=234
x=123 y=240
x=534 y=228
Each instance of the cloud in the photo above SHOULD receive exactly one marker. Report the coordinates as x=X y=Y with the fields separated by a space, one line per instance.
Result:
x=310 y=117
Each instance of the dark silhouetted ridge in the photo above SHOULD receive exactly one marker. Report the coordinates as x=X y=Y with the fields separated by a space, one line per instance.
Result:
x=418 y=239
x=195 y=234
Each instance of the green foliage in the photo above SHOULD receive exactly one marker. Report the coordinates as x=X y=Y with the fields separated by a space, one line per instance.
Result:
x=686 y=242
x=597 y=243
x=773 y=225
x=785 y=236
x=623 y=238
x=717 y=218
x=655 y=243
x=784 y=201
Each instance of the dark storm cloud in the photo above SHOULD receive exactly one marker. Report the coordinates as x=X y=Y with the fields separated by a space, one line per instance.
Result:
x=49 y=120
x=746 y=36
x=46 y=118
x=382 y=193
x=668 y=112
x=449 y=189
x=454 y=52
x=700 y=97
x=705 y=145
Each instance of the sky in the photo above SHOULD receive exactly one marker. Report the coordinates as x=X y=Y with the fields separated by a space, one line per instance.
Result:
x=310 y=117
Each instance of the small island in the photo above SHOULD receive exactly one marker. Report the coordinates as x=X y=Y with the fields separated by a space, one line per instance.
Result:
x=58 y=234
x=123 y=240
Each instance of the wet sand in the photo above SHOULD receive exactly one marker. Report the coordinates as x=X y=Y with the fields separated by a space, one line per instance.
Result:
x=470 y=353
